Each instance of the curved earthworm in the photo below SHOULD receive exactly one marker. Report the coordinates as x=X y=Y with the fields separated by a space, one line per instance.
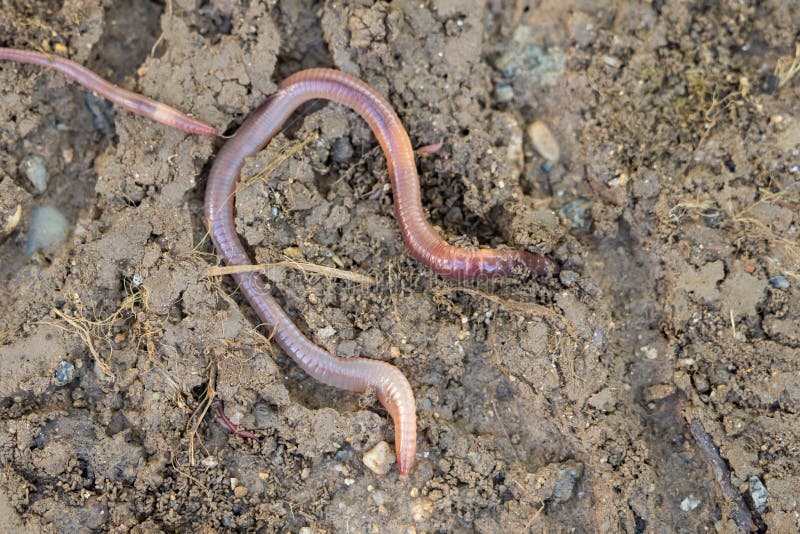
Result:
x=356 y=374
x=421 y=239
x=141 y=105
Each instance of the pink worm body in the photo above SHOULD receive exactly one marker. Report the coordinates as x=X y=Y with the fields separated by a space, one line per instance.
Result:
x=424 y=243
x=422 y=240
x=141 y=105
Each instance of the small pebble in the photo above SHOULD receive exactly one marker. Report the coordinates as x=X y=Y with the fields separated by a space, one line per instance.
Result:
x=598 y=338
x=649 y=352
x=504 y=93
x=779 y=282
x=604 y=400
x=570 y=472
x=379 y=497
x=34 y=169
x=690 y=503
x=380 y=458
x=568 y=277
x=577 y=213
x=701 y=383
x=342 y=151
x=758 y=492
x=48 y=232
x=64 y=374
x=209 y=462
x=544 y=141
x=240 y=492
x=325 y=333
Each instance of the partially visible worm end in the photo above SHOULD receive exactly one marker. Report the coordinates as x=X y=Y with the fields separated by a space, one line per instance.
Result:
x=404 y=469
x=406 y=447
x=177 y=119
x=427 y=150
x=202 y=128
x=396 y=395
x=538 y=264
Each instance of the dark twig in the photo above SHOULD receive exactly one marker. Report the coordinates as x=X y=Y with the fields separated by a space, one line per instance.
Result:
x=737 y=509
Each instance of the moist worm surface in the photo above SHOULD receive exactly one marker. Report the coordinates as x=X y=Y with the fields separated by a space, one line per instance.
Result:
x=134 y=102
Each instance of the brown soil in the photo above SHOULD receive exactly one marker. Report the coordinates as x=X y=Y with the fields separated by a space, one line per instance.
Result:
x=544 y=405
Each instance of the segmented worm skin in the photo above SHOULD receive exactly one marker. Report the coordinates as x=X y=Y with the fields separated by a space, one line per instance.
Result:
x=141 y=105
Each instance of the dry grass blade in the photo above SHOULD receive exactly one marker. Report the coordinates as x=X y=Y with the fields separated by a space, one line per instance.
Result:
x=90 y=330
x=693 y=209
x=329 y=272
x=747 y=224
x=787 y=67
x=199 y=414
x=288 y=152
x=78 y=326
x=753 y=227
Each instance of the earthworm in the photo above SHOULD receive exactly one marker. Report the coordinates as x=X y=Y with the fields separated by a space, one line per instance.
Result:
x=355 y=374
x=421 y=239
x=141 y=105
x=230 y=426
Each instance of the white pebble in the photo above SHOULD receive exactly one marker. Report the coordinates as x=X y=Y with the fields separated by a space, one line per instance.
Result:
x=325 y=333
x=544 y=141
x=209 y=462
x=380 y=458
x=690 y=503
x=49 y=230
x=649 y=352
x=34 y=169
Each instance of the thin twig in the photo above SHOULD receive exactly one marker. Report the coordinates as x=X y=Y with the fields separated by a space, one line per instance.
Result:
x=737 y=509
